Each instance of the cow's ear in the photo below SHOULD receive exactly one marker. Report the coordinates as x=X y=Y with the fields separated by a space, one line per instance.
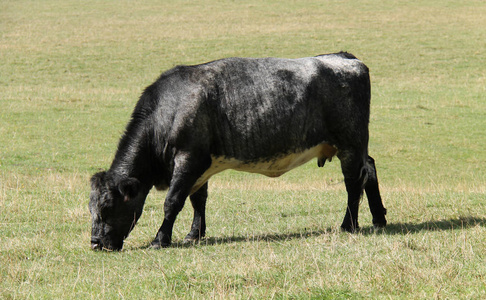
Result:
x=129 y=188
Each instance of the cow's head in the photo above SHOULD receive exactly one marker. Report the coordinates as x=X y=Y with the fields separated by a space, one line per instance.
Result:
x=115 y=206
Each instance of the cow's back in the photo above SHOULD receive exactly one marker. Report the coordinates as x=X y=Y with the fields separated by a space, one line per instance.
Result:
x=264 y=107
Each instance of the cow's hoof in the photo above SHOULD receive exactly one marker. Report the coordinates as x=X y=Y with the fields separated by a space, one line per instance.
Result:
x=350 y=229
x=193 y=237
x=189 y=241
x=156 y=244
x=379 y=223
x=378 y=226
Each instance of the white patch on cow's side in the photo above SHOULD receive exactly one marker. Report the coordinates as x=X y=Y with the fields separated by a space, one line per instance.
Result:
x=306 y=68
x=271 y=167
x=342 y=65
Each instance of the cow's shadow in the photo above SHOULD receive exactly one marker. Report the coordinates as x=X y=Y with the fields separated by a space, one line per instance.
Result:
x=432 y=225
x=391 y=229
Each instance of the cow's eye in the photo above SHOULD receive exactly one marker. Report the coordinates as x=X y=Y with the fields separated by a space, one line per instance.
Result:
x=107 y=205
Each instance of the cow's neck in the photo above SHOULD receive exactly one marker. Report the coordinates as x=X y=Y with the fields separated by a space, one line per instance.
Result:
x=134 y=158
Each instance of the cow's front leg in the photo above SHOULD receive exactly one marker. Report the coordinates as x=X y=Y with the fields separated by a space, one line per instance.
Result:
x=186 y=172
x=198 y=228
x=174 y=202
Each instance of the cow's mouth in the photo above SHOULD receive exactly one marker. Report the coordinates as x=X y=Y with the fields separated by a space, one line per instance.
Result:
x=99 y=245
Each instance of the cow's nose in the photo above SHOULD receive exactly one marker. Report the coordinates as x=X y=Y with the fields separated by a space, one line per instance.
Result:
x=96 y=244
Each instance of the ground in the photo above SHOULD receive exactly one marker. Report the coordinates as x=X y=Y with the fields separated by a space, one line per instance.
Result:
x=72 y=72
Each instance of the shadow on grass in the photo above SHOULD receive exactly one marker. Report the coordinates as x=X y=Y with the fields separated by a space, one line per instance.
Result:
x=210 y=241
x=273 y=238
x=391 y=229
x=440 y=225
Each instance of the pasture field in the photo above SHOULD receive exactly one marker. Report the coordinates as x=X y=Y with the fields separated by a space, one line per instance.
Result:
x=71 y=73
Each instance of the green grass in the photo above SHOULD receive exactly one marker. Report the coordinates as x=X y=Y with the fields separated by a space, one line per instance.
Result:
x=71 y=72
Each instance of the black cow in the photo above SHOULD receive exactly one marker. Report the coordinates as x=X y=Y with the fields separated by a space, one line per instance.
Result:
x=265 y=116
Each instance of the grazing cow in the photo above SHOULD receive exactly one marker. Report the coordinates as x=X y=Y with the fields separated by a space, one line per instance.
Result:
x=261 y=115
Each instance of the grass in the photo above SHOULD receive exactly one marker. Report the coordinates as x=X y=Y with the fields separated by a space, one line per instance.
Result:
x=71 y=72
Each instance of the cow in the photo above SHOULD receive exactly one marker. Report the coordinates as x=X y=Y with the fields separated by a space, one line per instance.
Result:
x=260 y=115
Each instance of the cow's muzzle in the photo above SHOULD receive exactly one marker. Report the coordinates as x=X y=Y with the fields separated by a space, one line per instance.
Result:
x=96 y=244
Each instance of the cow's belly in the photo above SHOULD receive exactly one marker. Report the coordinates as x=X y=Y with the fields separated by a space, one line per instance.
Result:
x=273 y=167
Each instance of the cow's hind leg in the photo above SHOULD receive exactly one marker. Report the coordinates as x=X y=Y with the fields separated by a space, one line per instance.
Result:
x=198 y=228
x=354 y=175
x=188 y=168
x=378 y=211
